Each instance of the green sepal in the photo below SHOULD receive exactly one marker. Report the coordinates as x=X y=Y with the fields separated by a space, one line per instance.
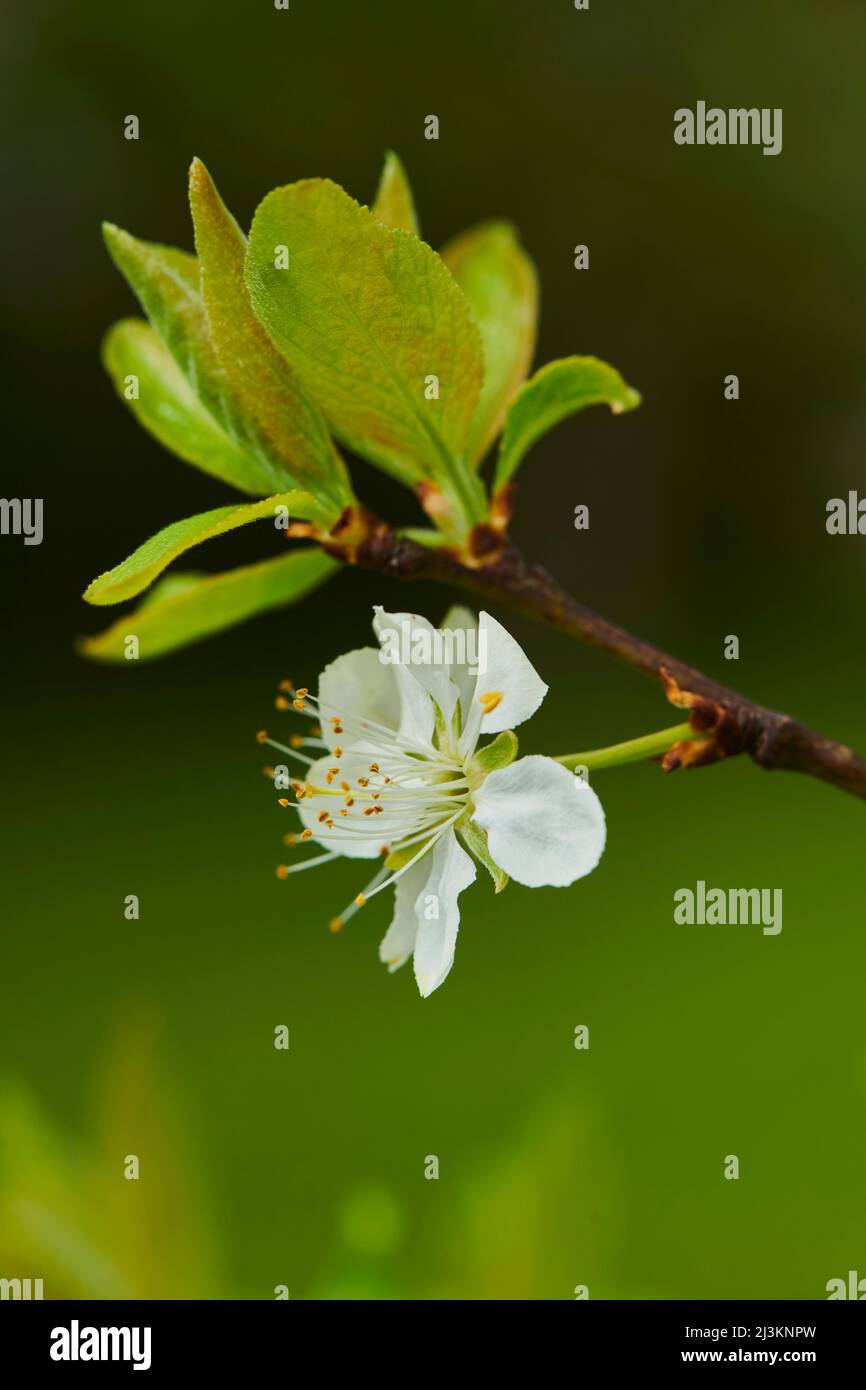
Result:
x=475 y=840
x=499 y=753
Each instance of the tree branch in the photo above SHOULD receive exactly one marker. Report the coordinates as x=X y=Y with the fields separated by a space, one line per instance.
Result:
x=731 y=723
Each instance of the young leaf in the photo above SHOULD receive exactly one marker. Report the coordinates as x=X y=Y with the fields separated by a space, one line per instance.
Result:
x=185 y=608
x=373 y=322
x=499 y=280
x=263 y=385
x=394 y=204
x=166 y=282
x=141 y=568
x=556 y=391
x=168 y=408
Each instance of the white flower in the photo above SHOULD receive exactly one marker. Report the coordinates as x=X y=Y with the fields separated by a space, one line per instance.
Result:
x=403 y=777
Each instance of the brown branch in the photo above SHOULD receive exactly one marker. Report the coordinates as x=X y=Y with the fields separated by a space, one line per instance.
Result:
x=732 y=723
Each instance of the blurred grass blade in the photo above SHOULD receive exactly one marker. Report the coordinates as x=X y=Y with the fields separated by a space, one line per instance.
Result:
x=185 y=608
x=368 y=315
x=394 y=204
x=147 y=562
x=168 y=408
x=499 y=280
x=558 y=390
x=263 y=385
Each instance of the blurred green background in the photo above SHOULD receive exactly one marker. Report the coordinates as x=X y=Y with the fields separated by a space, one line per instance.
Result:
x=155 y=1037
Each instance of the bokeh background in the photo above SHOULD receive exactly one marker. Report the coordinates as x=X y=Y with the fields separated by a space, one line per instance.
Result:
x=155 y=1037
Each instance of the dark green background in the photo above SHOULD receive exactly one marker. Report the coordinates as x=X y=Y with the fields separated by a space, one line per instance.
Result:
x=707 y=518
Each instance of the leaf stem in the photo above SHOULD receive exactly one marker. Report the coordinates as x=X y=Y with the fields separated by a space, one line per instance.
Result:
x=633 y=751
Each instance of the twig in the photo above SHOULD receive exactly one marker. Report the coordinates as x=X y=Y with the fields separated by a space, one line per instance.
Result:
x=732 y=723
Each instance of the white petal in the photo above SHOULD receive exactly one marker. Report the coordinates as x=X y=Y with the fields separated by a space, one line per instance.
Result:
x=459 y=619
x=358 y=684
x=452 y=870
x=398 y=943
x=417 y=642
x=544 y=826
x=505 y=670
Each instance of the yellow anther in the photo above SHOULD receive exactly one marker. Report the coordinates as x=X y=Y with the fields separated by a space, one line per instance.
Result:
x=338 y=752
x=282 y=871
x=281 y=702
x=290 y=838
x=268 y=771
x=298 y=704
x=344 y=786
x=363 y=781
x=490 y=699
x=283 y=801
x=262 y=736
x=287 y=686
x=302 y=692
x=306 y=834
x=335 y=924
x=360 y=900
x=297 y=740
x=374 y=767
x=350 y=801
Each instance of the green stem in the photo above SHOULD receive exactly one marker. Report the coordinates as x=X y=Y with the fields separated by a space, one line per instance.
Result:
x=634 y=751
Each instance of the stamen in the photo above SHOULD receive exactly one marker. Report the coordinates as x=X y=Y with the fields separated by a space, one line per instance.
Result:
x=489 y=700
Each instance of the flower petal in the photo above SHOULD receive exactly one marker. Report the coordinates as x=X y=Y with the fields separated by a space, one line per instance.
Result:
x=544 y=826
x=451 y=871
x=413 y=643
x=398 y=943
x=358 y=684
x=463 y=673
x=505 y=670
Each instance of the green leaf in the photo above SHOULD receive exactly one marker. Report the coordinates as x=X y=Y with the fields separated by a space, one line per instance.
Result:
x=166 y=282
x=474 y=838
x=394 y=204
x=141 y=568
x=168 y=408
x=499 y=280
x=185 y=608
x=367 y=315
x=556 y=391
x=290 y=427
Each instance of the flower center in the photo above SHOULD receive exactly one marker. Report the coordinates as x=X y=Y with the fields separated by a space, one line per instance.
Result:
x=376 y=785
